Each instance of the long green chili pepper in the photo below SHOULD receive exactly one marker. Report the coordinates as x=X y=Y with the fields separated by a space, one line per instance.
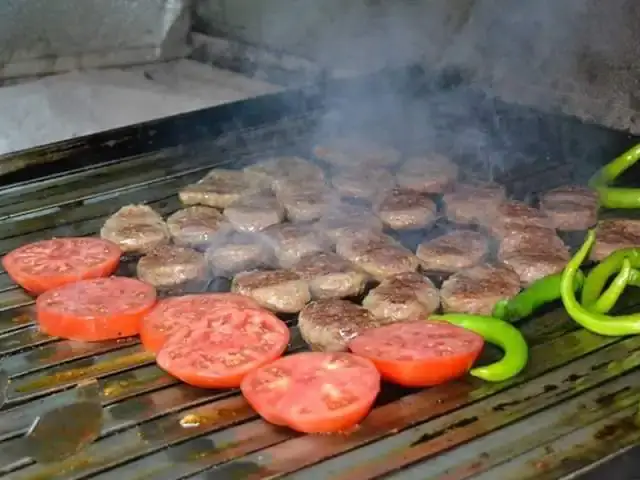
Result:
x=600 y=274
x=609 y=298
x=593 y=321
x=612 y=197
x=500 y=333
x=539 y=293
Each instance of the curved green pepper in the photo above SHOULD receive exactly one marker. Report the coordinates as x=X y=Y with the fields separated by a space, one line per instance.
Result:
x=539 y=293
x=497 y=332
x=608 y=299
x=600 y=274
x=593 y=321
x=617 y=197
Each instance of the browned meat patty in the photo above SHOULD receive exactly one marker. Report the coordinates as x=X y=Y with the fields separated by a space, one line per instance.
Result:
x=353 y=246
x=329 y=325
x=284 y=169
x=254 y=213
x=532 y=266
x=196 y=226
x=471 y=203
x=330 y=276
x=571 y=207
x=386 y=260
x=276 y=290
x=477 y=289
x=292 y=242
x=344 y=219
x=305 y=202
x=238 y=252
x=453 y=251
x=170 y=266
x=136 y=229
x=346 y=152
x=612 y=235
x=363 y=183
x=429 y=174
x=406 y=209
x=407 y=296
x=219 y=188
x=530 y=240
x=514 y=214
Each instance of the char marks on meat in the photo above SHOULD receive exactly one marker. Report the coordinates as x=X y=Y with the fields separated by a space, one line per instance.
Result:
x=292 y=242
x=276 y=290
x=345 y=152
x=478 y=289
x=431 y=174
x=614 y=234
x=329 y=325
x=407 y=296
x=196 y=226
x=330 y=276
x=219 y=188
x=362 y=182
x=255 y=212
x=474 y=202
x=571 y=207
x=402 y=209
x=237 y=252
x=453 y=251
x=170 y=266
x=136 y=229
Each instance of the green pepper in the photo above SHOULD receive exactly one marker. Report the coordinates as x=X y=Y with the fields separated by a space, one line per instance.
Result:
x=539 y=293
x=608 y=299
x=593 y=321
x=497 y=332
x=600 y=274
x=611 y=197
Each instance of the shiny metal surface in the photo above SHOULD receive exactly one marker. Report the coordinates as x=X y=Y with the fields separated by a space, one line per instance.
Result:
x=576 y=386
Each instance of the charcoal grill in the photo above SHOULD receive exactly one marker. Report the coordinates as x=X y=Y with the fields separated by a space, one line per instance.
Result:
x=574 y=404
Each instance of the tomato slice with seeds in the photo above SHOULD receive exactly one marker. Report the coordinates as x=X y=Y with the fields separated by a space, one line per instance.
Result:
x=41 y=266
x=96 y=309
x=313 y=392
x=219 y=350
x=174 y=313
x=419 y=354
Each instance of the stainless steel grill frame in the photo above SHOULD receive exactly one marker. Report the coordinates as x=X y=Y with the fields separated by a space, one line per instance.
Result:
x=575 y=403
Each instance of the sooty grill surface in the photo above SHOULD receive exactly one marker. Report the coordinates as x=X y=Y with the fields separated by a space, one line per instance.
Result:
x=575 y=402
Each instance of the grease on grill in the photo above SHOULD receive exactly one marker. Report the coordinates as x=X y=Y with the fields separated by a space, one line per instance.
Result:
x=427 y=437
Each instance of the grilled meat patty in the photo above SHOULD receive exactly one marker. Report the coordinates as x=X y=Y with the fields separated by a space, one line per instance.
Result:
x=353 y=246
x=136 y=229
x=407 y=296
x=306 y=201
x=477 y=289
x=345 y=152
x=431 y=174
x=362 y=182
x=406 y=209
x=471 y=203
x=453 y=251
x=345 y=219
x=276 y=290
x=255 y=212
x=273 y=171
x=196 y=226
x=169 y=266
x=292 y=242
x=330 y=276
x=237 y=252
x=219 y=188
x=386 y=260
x=329 y=325
x=614 y=234
x=514 y=215
x=571 y=207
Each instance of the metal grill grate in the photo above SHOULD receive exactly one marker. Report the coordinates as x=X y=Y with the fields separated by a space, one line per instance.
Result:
x=577 y=386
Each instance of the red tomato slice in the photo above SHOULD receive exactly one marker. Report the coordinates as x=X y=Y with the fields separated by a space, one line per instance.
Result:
x=172 y=314
x=419 y=354
x=313 y=392
x=218 y=351
x=41 y=266
x=96 y=309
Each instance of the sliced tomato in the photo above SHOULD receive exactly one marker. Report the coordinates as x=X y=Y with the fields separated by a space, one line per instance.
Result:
x=219 y=350
x=419 y=354
x=96 y=309
x=314 y=392
x=172 y=314
x=41 y=266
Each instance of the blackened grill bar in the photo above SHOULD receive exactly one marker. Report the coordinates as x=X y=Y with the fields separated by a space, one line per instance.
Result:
x=156 y=427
